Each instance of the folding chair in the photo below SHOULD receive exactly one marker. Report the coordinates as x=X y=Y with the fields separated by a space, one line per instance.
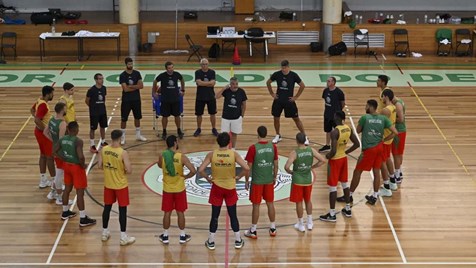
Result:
x=9 y=40
x=195 y=49
x=464 y=40
x=156 y=111
x=361 y=39
x=400 y=43
x=252 y=41
x=444 y=39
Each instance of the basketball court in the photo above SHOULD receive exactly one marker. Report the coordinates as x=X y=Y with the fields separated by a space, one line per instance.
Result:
x=428 y=222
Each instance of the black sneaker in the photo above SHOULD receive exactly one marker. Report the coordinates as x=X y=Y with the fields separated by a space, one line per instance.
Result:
x=272 y=232
x=328 y=217
x=86 y=221
x=342 y=199
x=104 y=144
x=210 y=245
x=185 y=238
x=180 y=134
x=248 y=233
x=93 y=149
x=165 y=238
x=215 y=132
x=371 y=199
x=239 y=244
x=324 y=148
x=197 y=132
x=164 y=135
x=67 y=214
x=347 y=213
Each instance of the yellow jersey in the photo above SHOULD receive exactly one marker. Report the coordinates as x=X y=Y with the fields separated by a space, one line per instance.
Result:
x=393 y=119
x=47 y=117
x=70 y=112
x=223 y=168
x=114 y=171
x=174 y=184
x=344 y=136
x=381 y=105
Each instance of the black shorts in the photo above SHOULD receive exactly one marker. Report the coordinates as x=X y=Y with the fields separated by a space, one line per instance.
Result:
x=200 y=106
x=95 y=119
x=127 y=106
x=329 y=125
x=290 y=109
x=169 y=108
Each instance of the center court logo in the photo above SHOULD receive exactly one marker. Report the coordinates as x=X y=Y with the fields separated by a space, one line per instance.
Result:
x=198 y=188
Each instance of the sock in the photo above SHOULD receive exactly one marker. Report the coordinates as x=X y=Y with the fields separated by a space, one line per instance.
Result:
x=123 y=132
x=91 y=142
x=123 y=235
x=163 y=130
x=375 y=194
x=105 y=231
x=102 y=140
x=179 y=130
x=42 y=176
x=166 y=232
x=392 y=179
x=82 y=214
x=386 y=184
x=347 y=206
x=137 y=131
x=237 y=236
x=182 y=232
x=332 y=212
x=309 y=218
x=397 y=173
x=253 y=227
x=65 y=208
x=350 y=194
x=211 y=237
x=300 y=220
x=272 y=225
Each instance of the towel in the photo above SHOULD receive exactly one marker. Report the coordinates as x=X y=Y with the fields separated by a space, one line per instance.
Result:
x=168 y=156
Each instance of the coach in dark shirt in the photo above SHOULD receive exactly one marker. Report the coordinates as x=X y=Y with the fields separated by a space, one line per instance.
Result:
x=334 y=100
x=96 y=101
x=131 y=83
x=205 y=80
x=170 y=93
x=284 y=98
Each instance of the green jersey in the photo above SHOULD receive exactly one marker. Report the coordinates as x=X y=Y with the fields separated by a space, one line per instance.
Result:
x=302 y=166
x=372 y=129
x=54 y=128
x=68 y=149
x=262 y=170
x=401 y=127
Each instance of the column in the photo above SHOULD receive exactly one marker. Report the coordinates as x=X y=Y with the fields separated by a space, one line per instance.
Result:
x=331 y=14
x=129 y=14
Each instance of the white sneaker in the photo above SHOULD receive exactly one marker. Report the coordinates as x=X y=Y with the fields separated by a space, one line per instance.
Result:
x=310 y=224
x=393 y=186
x=277 y=139
x=307 y=141
x=105 y=236
x=385 y=192
x=44 y=182
x=123 y=139
x=140 y=138
x=59 y=202
x=127 y=240
x=300 y=227
x=52 y=194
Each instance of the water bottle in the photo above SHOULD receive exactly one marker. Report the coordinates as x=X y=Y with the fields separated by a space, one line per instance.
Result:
x=218 y=31
x=426 y=19
x=417 y=20
x=294 y=16
x=53 y=26
x=474 y=19
x=360 y=19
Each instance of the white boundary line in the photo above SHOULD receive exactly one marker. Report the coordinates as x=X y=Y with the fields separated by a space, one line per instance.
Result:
x=250 y=264
x=394 y=233
x=60 y=234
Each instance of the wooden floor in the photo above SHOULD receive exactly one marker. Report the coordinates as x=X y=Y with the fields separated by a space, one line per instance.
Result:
x=430 y=220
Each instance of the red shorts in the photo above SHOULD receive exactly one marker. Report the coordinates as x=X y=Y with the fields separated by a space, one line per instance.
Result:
x=59 y=163
x=387 y=150
x=177 y=201
x=300 y=192
x=370 y=158
x=261 y=191
x=121 y=195
x=218 y=194
x=337 y=171
x=76 y=175
x=398 y=145
x=46 y=146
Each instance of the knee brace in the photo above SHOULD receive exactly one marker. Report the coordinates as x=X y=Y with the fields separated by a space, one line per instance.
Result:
x=344 y=185
x=59 y=179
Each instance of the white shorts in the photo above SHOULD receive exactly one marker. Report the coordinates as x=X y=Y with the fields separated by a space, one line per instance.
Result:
x=234 y=126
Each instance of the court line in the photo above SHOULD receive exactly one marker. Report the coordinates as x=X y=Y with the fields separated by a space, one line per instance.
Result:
x=390 y=223
x=16 y=137
x=65 y=222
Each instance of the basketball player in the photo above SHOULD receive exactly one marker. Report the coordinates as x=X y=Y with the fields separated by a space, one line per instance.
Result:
x=96 y=101
x=284 y=98
x=205 y=80
x=382 y=82
x=302 y=159
x=234 y=107
x=115 y=163
x=67 y=98
x=262 y=158
x=174 y=196
x=131 y=83
x=398 y=145
x=70 y=150
x=337 y=165
x=371 y=125
x=223 y=179
x=387 y=170
x=41 y=112
x=334 y=100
